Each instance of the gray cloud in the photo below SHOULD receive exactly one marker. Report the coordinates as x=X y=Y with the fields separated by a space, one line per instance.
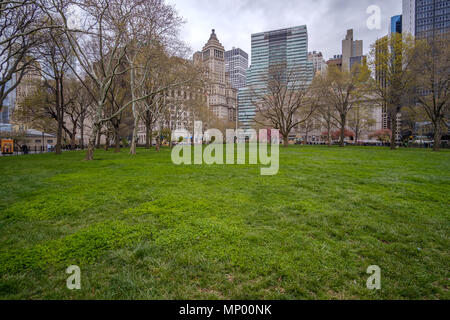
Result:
x=327 y=20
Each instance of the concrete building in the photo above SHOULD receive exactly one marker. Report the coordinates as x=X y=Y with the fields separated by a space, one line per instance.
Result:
x=222 y=97
x=236 y=65
x=27 y=86
x=284 y=48
x=319 y=63
x=352 y=51
x=335 y=61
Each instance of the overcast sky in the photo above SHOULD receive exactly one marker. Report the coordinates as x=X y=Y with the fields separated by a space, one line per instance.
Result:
x=327 y=21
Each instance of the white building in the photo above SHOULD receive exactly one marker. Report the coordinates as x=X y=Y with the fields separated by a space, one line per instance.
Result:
x=319 y=63
x=409 y=17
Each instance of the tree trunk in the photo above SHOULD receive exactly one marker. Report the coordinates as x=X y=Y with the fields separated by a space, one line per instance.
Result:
x=329 y=135
x=99 y=138
x=343 y=125
x=82 y=133
x=117 y=139
x=158 y=142
x=58 y=149
x=59 y=116
x=437 y=136
x=394 y=132
x=73 y=138
x=91 y=145
x=134 y=139
x=286 y=140
x=148 y=137
x=107 y=140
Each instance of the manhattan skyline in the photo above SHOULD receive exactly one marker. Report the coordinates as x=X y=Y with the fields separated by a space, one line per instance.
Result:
x=327 y=21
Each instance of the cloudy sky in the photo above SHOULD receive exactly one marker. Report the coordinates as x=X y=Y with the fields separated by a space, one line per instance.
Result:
x=327 y=20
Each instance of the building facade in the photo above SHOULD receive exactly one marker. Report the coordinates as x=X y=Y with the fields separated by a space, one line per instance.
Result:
x=352 y=51
x=409 y=17
x=319 y=63
x=396 y=24
x=432 y=18
x=222 y=97
x=236 y=65
x=426 y=18
x=8 y=106
x=335 y=61
x=284 y=48
x=27 y=86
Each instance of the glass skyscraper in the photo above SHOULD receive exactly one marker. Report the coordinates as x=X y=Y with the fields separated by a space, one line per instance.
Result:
x=426 y=18
x=432 y=17
x=284 y=48
x=396 y=24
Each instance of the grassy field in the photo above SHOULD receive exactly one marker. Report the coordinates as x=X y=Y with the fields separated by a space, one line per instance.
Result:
x=143 y=228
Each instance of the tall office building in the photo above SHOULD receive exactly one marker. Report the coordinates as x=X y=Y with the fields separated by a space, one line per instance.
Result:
x=396 y=24
x=284 y=48
x=222 y=98
x=409 y=17
x=432 y=18
x=426 y=18
x=382 y=47
x=236 y=65
x=352 y=51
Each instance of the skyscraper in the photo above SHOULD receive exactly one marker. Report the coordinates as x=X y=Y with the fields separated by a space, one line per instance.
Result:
x=352 y=51
x=409 y=17
x=426 y=18
x=236 y=65
x=284 y=48
x=396 y=24
x=221 y=96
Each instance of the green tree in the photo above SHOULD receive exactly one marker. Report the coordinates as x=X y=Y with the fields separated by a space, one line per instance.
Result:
x=391 y=60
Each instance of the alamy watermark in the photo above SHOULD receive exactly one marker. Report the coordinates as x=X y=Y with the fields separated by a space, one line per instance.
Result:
x=374 y=20
x=74 y=281
x=374 y=281
x=223 y=151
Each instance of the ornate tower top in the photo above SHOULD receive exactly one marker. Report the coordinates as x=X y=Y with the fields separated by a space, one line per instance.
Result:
x=213 y=42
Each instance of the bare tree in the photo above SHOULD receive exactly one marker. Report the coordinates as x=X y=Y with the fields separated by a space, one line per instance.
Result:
x=285 y=103
x=360 y=120
x=21 y=28
x=117 y=97
x=343 y=93
x=151 y=30
x=37 y=110
x=391 y=59
x=432 y=63
x=54 y=56
x=77 y=111
x=325 y=112
x=99 y=51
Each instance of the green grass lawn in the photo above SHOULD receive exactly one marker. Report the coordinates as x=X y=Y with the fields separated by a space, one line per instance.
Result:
x=143 y=228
